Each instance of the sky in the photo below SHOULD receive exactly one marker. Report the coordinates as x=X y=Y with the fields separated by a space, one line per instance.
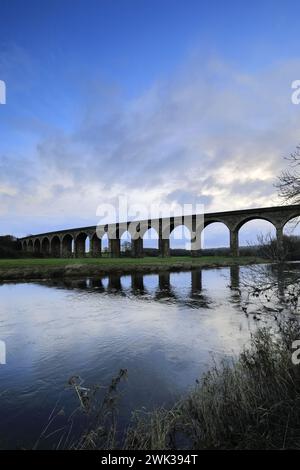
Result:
x=159 y=101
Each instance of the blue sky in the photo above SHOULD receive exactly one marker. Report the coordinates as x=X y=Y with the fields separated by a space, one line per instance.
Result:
x=162 y=101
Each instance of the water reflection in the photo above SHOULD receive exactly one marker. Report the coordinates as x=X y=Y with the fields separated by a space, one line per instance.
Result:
x=235 y=277
x=137 y=284
x=161 y=286
x=164 y=328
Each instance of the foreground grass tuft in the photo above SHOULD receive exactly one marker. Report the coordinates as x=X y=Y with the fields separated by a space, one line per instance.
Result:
x=250 y=403
x=253 y=403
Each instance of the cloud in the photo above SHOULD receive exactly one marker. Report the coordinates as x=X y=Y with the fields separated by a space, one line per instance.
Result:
x=212 y=134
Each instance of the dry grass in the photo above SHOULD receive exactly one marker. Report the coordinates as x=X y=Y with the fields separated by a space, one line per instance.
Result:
x=253 y=403
x=250 y=403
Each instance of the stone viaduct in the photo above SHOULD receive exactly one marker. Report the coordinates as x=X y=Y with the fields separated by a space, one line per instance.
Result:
x=71 y=242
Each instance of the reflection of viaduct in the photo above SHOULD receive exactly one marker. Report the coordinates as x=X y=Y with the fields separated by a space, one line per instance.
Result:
x=71 y=242
x=163 y=288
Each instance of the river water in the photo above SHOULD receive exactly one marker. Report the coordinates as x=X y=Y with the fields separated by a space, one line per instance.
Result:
x=166 y=330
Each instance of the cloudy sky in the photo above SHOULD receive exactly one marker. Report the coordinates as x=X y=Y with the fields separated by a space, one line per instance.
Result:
x=161 y=101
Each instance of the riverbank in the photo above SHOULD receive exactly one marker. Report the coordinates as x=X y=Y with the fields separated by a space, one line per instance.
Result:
x=249 y=403
x=252 y=403
x=49 y=268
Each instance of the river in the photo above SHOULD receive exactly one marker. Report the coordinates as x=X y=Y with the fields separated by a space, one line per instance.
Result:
x=166 y=330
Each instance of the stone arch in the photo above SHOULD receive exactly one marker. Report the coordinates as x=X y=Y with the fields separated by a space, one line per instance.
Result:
x=113 y=230
x=264 y=226
x=150 y=238
x=244 y=221
x=134 y=229
x=216 y=220
x=37 y=246
x=119 y=230
x=291 y=238
x=220 y=229
x=30 y=246
x=80 y=244
x=105 y=247
x=126 y=242
x=290 y=218
x=55 y=246
x=109 y=235
x=180 y=232
x=113 y=235
x=66 y=245
x=95 y=245
x=45 y=246
x=234 y=231
x=168 y=225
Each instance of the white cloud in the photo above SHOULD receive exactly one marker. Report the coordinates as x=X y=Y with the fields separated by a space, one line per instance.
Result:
x=212 y=133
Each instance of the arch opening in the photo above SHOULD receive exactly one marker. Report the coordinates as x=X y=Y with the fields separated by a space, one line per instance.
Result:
x=45 y=246
x=87 y=245
x=215 y=239
x=150 y=242
x=180 y=240
x=37 y=247
x=95 y=245
x=259 y=221
x=67 y=246
x=55 y=247
x=105 y=248
x=126 y=244
x=256 y=237
x=30 y=246
x=80 y=245
x=291 y=239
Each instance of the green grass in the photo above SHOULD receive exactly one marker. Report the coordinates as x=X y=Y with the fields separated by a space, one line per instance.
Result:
x=106 y=261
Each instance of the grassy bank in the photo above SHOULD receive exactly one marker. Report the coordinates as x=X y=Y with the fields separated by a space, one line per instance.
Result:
x=106 y=261
x=36 y=268
x=252 y=403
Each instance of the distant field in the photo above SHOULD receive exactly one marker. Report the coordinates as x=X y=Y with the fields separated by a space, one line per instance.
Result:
x=106 y=261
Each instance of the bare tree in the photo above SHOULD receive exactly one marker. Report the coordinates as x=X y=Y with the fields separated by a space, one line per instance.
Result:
x=288 y=183
x=275 y=286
